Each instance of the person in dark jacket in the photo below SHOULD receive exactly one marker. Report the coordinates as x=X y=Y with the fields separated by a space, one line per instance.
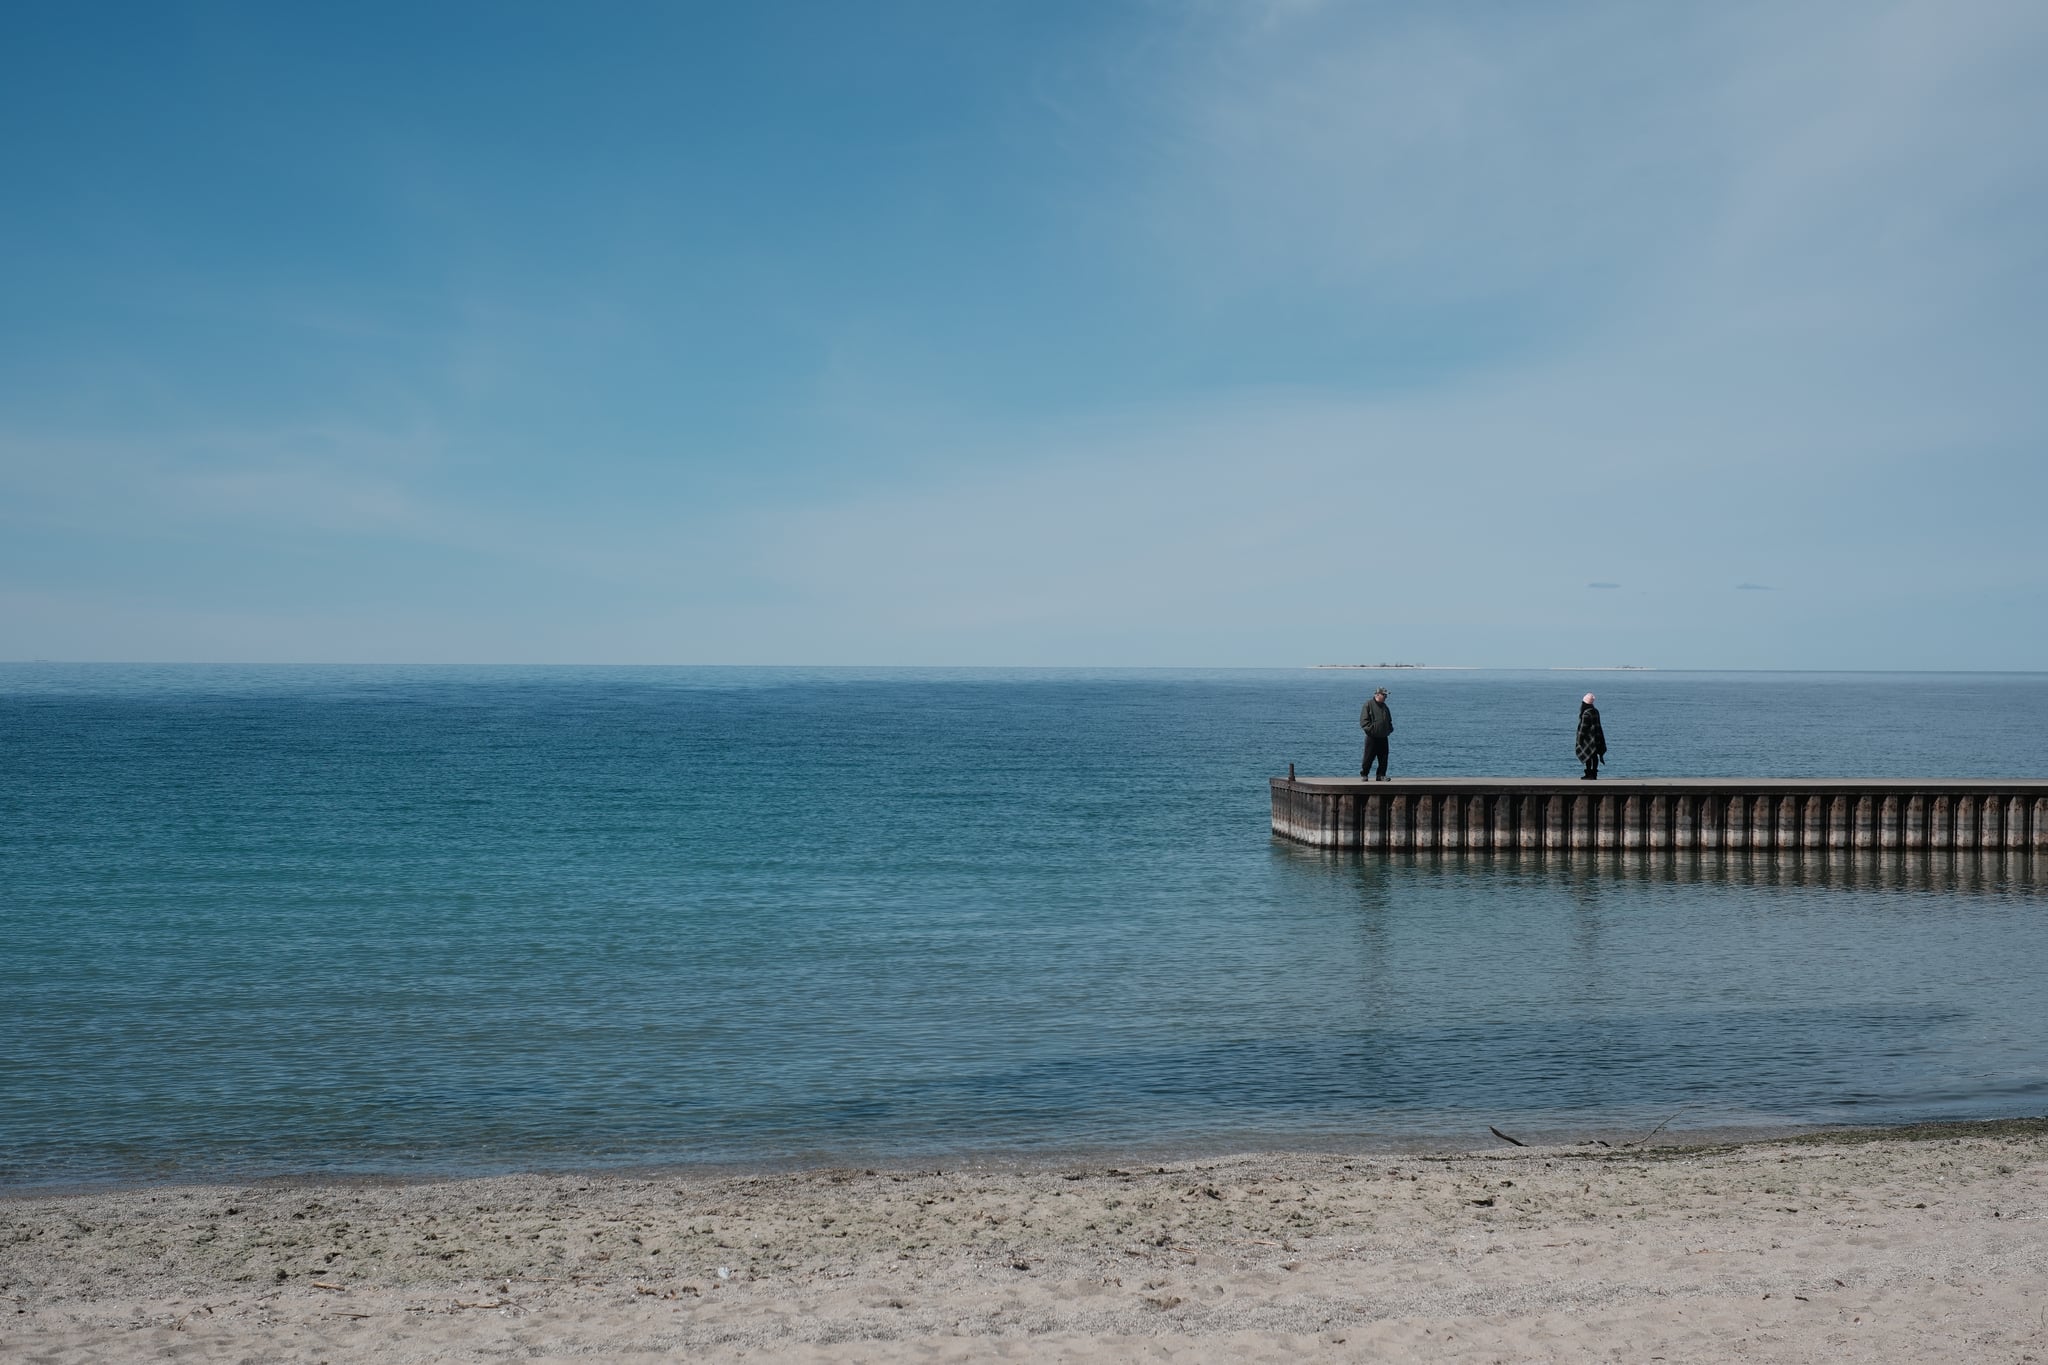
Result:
x=1591 y=745
x=1378 y=722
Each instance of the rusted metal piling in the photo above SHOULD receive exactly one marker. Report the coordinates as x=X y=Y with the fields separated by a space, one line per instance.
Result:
x=1703 y=814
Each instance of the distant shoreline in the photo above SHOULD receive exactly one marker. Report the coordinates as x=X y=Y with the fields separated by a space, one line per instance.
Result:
x=1475 y=668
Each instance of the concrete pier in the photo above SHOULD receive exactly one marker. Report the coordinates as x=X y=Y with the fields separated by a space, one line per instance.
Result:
x=1676 y=813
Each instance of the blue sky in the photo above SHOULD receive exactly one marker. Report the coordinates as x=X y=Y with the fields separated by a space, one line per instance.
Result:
x=1026 y=333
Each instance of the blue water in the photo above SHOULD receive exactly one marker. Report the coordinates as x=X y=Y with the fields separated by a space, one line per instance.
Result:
x=263 y=920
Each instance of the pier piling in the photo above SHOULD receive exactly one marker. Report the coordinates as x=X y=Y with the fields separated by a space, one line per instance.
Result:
x=1662 y=814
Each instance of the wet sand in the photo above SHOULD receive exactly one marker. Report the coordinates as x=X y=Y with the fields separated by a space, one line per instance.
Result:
x=1913 y=1245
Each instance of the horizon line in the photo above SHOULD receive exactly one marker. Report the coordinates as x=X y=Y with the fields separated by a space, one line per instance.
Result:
x=1104 y=668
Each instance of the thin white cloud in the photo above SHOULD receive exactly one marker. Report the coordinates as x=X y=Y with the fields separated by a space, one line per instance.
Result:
x=1833 y=181
x=287 y=480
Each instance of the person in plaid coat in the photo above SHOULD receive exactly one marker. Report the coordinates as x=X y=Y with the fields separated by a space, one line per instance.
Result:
x=1591 y=745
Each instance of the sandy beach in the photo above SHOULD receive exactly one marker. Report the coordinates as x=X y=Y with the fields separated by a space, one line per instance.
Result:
x=1915 y=1245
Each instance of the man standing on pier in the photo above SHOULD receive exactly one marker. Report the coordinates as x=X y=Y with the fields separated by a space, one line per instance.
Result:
x=1378 y=722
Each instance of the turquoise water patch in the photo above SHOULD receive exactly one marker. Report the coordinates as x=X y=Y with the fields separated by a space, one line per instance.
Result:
x=461 y=920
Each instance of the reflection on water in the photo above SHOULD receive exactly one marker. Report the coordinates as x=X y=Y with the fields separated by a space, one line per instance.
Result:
x=1572 y=991
x=1986 y=872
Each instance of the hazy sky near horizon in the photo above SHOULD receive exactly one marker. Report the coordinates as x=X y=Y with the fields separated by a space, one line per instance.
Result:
x=1026 y=333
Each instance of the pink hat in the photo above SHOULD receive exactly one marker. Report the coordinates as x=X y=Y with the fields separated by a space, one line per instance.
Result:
x=1589 y=699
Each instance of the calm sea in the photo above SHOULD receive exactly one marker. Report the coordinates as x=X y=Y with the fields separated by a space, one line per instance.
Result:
x=264 y=920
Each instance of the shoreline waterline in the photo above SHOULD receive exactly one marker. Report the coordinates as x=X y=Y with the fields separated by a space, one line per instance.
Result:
x=1580 y=1142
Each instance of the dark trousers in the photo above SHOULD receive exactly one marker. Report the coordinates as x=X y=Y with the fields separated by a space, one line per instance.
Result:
x=1375 y=747
x=1592 y=767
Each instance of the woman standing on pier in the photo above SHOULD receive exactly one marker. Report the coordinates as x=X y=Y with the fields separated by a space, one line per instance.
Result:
x=1591 y=745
